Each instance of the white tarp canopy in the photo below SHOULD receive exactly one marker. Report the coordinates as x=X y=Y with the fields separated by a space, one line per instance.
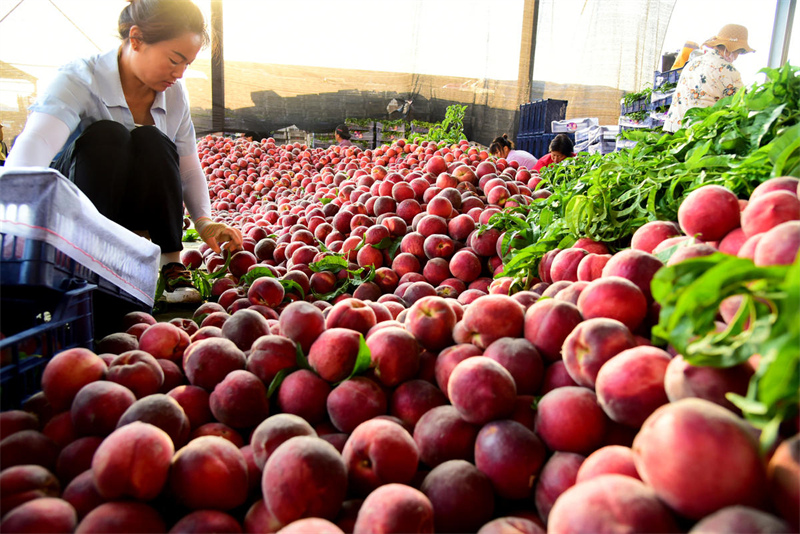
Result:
x=614 y=44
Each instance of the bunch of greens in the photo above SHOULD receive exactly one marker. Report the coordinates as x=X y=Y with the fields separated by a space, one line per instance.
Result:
x=638 y=115
x=630 y=98
x=354 y=277
x=690 y=294
x=666 y=87
x=450 y=130
x=738 y=143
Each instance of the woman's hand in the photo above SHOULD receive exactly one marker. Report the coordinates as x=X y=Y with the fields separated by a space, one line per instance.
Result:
x=216 y=233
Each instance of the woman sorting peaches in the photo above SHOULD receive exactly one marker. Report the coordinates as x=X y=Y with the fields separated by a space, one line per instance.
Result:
x=503 y=147
x=560 y=148
x=118 y=125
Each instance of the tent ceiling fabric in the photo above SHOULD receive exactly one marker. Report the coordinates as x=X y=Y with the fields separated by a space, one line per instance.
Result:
x=587 y=52
x=600 y=42
x=590 y=52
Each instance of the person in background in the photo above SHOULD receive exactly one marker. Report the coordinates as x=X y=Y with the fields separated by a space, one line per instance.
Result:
x=503 y=147
x=118 y=125
x=689 y=51
x=3 y=148
x=342 y=135
x=710 y=76
x=560 y=148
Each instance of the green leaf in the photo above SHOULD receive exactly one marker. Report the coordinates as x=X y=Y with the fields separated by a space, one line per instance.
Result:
x=363 y=360
x=783 y=147
x=278 y=380
x=190 y=235
x=300 y=358
x=387 y=243
x=291 y=285
x=690 y=294
x=254 y=274
x=395 y=247
x=325 y=200
x=333 y=264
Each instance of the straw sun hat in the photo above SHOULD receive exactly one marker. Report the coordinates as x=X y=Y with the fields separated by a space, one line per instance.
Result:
x=731 y=36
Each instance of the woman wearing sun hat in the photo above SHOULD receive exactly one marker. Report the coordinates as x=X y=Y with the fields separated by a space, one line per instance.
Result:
x=710 y=76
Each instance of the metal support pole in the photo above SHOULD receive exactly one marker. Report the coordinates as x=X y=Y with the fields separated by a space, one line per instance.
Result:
x=217 y=69
x=533 y=45
x=781 y=32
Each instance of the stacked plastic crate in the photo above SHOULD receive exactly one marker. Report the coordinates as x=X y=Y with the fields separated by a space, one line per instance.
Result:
x=664 y=84
x=67 y=273
x=363 y=134
x=386 y=134
x=649 y=111
x=535 y=125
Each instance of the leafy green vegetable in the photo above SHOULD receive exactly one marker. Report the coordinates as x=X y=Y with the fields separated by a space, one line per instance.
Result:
x=738 y=143
x=690 y=294
x=644 y=94
x=638 y=115
x=190 y=235
x=449 y=131
x=201 y=280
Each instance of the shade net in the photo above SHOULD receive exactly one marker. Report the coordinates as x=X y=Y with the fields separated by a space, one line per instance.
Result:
x=313 y=64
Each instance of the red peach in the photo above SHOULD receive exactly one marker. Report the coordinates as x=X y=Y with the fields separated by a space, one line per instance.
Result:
x=122 y=516
x=240 y=400
x=67 y=372
x=379 y=452
x=569 y=419
x=209 y=473
x=511 y=455
x=481 y=390
x=395 y=508
x=611 y=459
x=557 y=476
x=47 y=514
x=682 y=435
x=133 y=461
x=461 y=495
x=304 y=477
x=610 y=503
x=709 y=212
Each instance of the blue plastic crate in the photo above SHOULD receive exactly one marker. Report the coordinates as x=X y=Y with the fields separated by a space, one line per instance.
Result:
x=669 y=76
x=525 y=142
x=65 y=321
x=642 y=104
x=547 y=111
x=526 y=112
x=661 y=100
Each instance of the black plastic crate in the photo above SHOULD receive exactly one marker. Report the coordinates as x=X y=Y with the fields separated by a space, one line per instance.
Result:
x=30 y=262
x=64 y=321
x=33 y=271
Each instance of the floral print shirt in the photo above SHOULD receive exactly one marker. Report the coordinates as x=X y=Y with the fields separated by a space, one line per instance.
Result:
x=704 y=80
